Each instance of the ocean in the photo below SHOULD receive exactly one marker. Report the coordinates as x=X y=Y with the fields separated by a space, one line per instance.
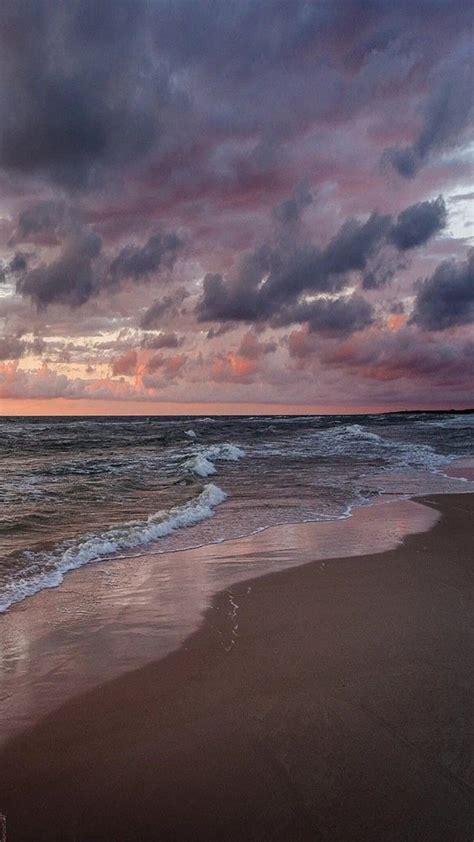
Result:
x=75 y=491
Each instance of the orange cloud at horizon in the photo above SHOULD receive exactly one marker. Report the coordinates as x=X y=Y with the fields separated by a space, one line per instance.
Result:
x=11 y=407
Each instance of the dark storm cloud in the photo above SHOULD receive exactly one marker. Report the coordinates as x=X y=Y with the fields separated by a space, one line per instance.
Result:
x=275 y=68
x=354 y=244
x=397 y=308
x=81 y=90
x=89 y=89
x=161 y=340
x=71 y=276
x=381 y=271
x=270 y=280
x=14 y=347
x=70 y=279
x=246 y=39
x=413 y=227
x=152 y=316
x=418 y=223
x=43 y=217
x=447 y=113
x=168 y=305
x=338 y=317
x=76 y=273
x=18 y=263
x=15 y=266
x=220 y=330
x=137 y=262
x=202 y=114
x=289 y=212
x=11 y=348
x=446 y=299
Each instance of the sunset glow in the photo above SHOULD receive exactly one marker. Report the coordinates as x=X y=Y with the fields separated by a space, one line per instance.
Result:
x=288 y=224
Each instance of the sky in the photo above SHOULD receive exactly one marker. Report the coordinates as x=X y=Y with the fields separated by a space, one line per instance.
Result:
x=236 y=206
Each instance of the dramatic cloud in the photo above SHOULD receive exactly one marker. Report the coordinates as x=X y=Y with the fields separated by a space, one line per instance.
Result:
x=71 y=279
x=417 y=224
x=11 y=348
x=193 y=201
x=161 y=340
x=446 y=114
x=76 y=275
x=446 y=299
x=18 y=263
x=91 y=91
x=81 y=90
x=139 y=262
x=271 y=280
x=49 y=217
x=168 y=305
x=289 y=211
x=341 y=316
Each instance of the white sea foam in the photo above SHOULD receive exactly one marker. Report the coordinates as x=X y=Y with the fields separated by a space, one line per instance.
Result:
x=358 y=430
x=202 y=463
x=200 y=466
x=227 y=452
x=110 y=542
x=451 y=421
x=190 y=433
x=350 y=440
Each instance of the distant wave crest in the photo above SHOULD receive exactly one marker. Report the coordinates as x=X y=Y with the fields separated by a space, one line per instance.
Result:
x=202 y=463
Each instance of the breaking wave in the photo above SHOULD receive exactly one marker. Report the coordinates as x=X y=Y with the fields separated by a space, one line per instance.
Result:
x=47 y=570
x=112 y=473
x=202 y=463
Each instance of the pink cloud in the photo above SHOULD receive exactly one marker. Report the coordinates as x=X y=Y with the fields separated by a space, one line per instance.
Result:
x=126 y=364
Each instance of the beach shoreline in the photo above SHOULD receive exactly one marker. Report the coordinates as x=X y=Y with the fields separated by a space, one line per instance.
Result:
x=114 y=616
x=326 y=701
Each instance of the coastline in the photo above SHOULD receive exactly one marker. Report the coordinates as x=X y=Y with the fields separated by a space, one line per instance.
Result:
x=109 y=618
x=317 y=702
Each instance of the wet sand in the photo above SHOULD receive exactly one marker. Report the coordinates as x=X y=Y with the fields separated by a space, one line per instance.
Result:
x=115 y=616
x=330 y=701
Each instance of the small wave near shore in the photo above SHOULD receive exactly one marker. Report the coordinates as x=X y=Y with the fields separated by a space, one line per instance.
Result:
x=47 y=570
x=76 y=491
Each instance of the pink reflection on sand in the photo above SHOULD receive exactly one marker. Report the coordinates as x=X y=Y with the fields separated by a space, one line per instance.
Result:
x=109 y=618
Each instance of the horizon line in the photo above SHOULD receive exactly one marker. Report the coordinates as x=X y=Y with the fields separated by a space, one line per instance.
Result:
x=62 y=408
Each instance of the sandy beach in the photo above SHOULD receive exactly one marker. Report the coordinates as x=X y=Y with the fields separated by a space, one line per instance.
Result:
x=329 y=701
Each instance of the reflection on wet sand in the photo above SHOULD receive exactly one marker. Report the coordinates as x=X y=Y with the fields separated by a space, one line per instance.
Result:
x=113 y=617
